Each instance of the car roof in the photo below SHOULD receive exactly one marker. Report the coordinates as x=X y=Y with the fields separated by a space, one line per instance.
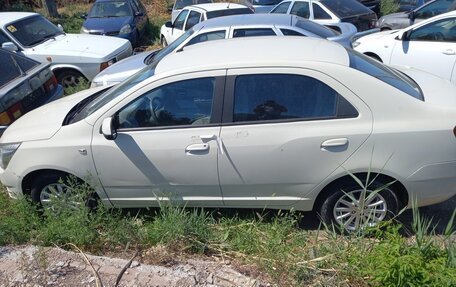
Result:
x=246 y=19
x=8 y=17
x=208 y=7
x=231 y=53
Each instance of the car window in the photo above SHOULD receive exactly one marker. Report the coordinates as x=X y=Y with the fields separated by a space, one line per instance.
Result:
x=33 y=30
x=316 y=29
x=289 y=32
x=282 y=8
x=209 y=36
x=3 y=38
x=252 y=32
x=110 y=9
x=193 y=19
x=301 y=9
x=269 y=97
x=434 y=8
x=319 y=13
x=177 y=104
x=179 y=23
x=385 y=74
x=439 y=31
x=345 y=8
x=228 y=12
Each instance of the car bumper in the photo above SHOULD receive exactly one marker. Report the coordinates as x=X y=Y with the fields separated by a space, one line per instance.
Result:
x=432 y=184
x=12 y=182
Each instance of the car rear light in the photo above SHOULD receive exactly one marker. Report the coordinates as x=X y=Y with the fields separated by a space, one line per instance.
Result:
x=104 y=65
x=5 y=119
x=50 y=84
x=16 y=111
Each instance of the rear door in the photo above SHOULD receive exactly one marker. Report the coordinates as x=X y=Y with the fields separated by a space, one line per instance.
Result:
x=284 y=131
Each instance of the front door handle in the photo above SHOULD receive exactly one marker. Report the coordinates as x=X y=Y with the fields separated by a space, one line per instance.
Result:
x=334 y=143
x=197 y=147
x=449 y=52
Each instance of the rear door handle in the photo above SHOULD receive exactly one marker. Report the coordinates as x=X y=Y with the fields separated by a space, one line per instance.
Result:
x=197 y=147
x=334 y=143
x=449 y=52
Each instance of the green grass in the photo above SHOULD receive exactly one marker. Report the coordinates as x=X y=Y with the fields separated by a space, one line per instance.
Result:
x=270 y=242
x=388 y=7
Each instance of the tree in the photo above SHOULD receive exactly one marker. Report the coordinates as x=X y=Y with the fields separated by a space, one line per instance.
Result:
x=51 y=8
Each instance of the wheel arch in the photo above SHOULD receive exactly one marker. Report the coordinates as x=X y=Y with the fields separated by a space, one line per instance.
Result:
x=28 y=180
x=57 y=69
x=398 y=188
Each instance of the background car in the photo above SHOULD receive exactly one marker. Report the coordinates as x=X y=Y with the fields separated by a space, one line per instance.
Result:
x=180 y=4
x=25 y=84
x=330 y=11
x=429 y=46
x=248 y=130
x=229 y=27
x=119 y=18
x=192 y=15
x=72 y=56
x=405 y=19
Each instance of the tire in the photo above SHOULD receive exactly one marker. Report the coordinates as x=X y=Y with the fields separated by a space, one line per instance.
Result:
x=163 y=41
x=69 y=78
x=54 y=184
x=339 y=209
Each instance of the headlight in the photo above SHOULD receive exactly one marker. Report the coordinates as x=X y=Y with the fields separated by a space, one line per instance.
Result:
x=355 y=44
x=84 y=30
x=125 y=29
x=6 y=153
x=104 y=65
x=96 y=84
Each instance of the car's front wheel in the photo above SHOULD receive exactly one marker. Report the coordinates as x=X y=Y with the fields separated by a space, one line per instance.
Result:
x=353 y=207
x=69 y=78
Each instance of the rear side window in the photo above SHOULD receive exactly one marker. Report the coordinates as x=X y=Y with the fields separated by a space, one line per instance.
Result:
x=282 y=8
x=301 y=9
x=288 y=32
x=269 y=97
x=253 y=32
x=319 y=13
x=209 y=36
x=385 y=74
x=14 y=66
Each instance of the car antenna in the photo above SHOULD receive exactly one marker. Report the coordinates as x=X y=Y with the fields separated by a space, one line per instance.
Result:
x=228 y=6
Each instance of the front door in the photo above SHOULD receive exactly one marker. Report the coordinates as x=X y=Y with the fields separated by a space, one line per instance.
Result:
x=284 y=131
x=166 y=146
x=430 y=48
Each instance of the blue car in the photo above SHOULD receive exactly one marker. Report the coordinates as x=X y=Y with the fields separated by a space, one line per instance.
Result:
x=119 y=18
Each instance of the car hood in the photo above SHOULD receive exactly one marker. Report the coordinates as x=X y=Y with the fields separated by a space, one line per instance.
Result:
x=43 y=122
x=75 y=45
x=436 y=91
x=108 y=24
x=121 y=70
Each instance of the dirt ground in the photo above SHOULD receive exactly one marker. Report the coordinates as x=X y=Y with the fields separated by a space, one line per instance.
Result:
x=35 y=266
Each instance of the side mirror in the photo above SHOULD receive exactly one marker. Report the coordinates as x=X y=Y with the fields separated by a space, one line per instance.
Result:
x=10 y=46
x=169 y=24
x=108 y=130
x=139 y=14
x=411 y=15
x=60 y=27
x=404 y=36
x=84 y=16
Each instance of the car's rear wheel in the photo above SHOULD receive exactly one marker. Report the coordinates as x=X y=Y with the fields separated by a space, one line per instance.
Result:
x=353 y=207
x=163 y=41
x=51 y=189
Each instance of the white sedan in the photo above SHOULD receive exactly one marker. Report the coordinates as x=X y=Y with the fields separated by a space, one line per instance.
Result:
x=192 y=15
x=248 y=130
x=71 y=55
x=429 y=46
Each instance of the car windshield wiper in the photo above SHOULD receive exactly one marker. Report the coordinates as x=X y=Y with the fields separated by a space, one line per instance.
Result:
x=45 y=38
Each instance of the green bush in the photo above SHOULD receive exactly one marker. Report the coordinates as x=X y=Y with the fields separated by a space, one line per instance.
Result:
x=388 y=7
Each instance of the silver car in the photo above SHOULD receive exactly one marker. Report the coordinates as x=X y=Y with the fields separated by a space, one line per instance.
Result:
x=230 y=27
x=404 y=19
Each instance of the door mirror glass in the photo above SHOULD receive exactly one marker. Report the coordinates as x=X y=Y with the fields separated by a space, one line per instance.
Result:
x=108 y=130
x=84 y=16
x=10 y=46
x=60 y=27
x=168 y=24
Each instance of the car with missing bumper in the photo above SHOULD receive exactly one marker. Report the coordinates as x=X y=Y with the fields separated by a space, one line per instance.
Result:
x=248 y=130
x=72 y=56
x=230 y=27
x=25 y=85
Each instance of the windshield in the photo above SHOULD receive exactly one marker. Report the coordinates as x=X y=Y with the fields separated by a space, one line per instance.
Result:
x=182 y=3
x=345 y=8
x=32 y=30
x=110 y=9
x=316 y=29
x=171 y=47
x=385 y=74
